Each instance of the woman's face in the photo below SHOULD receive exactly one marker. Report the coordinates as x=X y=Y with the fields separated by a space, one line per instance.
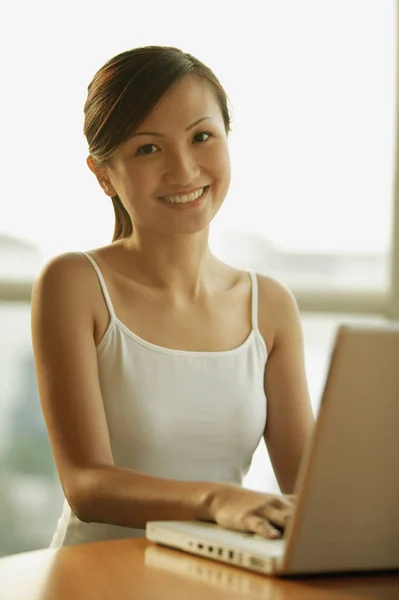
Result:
x=179 y=152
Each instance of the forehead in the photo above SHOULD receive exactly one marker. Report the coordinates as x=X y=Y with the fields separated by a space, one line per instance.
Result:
x=187 y=100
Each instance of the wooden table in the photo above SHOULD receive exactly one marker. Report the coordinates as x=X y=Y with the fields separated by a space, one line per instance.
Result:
x=139 y=570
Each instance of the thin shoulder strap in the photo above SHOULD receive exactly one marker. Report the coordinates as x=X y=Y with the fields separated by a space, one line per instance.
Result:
x=254 y=280
x=102 y=284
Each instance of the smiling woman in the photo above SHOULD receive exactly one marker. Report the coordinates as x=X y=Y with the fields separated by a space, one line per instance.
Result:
x=157 y=363
x=310 y=201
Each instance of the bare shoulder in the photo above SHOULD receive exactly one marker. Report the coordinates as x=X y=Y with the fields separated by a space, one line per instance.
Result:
x=275 y=293
x=67 y=283
x=63 y=266
x=277 y=309
x=70 y=272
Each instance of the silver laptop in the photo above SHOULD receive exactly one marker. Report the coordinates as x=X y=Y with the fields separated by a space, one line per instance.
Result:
x=346 y=517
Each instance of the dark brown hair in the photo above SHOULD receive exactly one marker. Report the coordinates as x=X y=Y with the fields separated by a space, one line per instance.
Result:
x=124 y=92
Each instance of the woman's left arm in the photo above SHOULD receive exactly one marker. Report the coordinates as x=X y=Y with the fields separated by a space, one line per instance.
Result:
x=290 y=419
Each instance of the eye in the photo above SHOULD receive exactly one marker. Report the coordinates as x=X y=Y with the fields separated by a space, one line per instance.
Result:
x=146 y=149
x=203 y=136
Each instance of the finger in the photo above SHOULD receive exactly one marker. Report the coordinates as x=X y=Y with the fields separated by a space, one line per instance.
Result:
x=279 y=503
x=276 y=517
x=256 y=524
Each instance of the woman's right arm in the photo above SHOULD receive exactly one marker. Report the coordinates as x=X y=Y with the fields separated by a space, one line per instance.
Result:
x=63 y=322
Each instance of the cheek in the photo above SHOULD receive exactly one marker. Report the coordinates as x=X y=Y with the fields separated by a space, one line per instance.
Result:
x=222 y=166
x=219 y=161
x=140 y=178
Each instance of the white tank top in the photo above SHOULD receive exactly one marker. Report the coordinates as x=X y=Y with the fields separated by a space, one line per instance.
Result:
x=183 y=415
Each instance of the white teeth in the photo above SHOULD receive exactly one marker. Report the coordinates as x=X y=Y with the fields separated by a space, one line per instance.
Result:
x=185 y=198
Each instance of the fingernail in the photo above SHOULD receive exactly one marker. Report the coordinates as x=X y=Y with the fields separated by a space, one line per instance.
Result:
x=274 y=534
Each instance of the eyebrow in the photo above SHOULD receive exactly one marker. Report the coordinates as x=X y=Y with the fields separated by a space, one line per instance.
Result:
x=162 y=135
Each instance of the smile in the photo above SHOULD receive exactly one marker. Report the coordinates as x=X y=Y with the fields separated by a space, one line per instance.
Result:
x=183 y=199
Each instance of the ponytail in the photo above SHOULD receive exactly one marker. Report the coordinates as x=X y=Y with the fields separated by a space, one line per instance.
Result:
x=123 y=224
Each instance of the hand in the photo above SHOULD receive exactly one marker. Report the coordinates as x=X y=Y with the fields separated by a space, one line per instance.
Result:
x=236 y=508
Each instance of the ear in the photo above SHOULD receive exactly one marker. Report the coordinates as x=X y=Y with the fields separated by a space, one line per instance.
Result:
x=102 y=176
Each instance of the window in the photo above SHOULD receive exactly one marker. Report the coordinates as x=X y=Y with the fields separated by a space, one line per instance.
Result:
x=312 y=146
x=30 y=493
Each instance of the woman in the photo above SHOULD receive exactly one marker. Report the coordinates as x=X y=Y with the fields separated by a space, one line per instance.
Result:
x=155 y=361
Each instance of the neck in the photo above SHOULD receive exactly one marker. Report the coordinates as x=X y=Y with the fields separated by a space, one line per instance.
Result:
x=176 y=262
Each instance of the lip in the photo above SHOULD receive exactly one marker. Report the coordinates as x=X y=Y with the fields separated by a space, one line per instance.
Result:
x=187 y=205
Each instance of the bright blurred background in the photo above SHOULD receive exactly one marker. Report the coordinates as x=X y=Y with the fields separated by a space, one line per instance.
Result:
x=312 y=202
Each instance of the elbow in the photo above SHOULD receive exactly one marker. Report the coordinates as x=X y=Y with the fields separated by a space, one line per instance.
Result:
x=80 y=506
x=82 y=512
x=80 y=495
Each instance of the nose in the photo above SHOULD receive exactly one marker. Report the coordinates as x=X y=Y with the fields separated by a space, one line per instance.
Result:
x=182 y=168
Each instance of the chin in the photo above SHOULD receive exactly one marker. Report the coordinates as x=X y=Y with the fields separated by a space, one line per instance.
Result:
x=194 y=225
x=189 y=229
